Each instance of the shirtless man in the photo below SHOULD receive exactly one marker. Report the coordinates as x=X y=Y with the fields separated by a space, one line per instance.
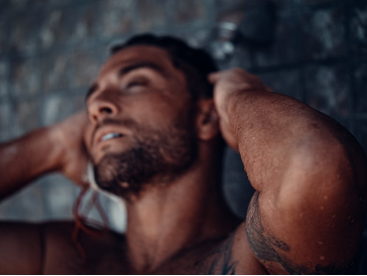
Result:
x=153 y=135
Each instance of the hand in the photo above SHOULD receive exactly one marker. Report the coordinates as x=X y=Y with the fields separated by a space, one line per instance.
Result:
x=70 y=136
x=227 y=84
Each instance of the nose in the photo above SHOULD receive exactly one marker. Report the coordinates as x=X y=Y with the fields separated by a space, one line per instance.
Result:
x=102 y=107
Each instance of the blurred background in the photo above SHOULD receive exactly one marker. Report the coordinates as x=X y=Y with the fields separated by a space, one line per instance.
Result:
x=51 y=50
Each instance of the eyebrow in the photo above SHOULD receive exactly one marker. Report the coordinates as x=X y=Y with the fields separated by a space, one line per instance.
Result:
x=150 y=65
x=127 y=69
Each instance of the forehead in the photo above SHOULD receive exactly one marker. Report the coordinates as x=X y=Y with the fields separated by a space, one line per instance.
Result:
x=136 y=54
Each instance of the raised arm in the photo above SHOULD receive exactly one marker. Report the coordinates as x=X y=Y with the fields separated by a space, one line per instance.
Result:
x=308 y=212
x=55 y=148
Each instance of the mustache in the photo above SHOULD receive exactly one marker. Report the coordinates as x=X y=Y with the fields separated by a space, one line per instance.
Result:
x=127 y=123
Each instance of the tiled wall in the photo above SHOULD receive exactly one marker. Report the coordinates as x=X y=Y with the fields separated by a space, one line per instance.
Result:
x=50 y=51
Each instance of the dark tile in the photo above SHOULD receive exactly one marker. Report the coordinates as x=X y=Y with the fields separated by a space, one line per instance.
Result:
x=4 y=68
x=25 y=117
x=26 y=77
x=85 y=23
x=85 y=67
x=229 y=4
x=4 y=77
x=3 y=37
x=190 y=10
x=361 y=133
x=283 y=82
x=316 y=2
x=359 y=29
x=60 y=194
x=4 y=121
x=4 y=87
x=361 y=88
x=197 y=36
x=57 y=108
x=18 y=4
x=150 y=15
x=281 y=7
x=284 y=48
x=323 y=34
x=7 y=208
x=115 y=17
x=285 y=7
x=23 y=34
x=63 y=26
x=241 y=58
x=53 y=29
x=237 y=188
x=55 y=71
x=4 y=5
x=327 y=90
x=30 y=206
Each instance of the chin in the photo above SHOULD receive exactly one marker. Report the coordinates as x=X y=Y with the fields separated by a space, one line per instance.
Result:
x=109 y=148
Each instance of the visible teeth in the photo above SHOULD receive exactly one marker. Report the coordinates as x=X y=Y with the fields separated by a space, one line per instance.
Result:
x=110 y=136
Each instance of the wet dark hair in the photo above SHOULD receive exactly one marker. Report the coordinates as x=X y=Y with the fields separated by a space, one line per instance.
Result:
x=196 y=64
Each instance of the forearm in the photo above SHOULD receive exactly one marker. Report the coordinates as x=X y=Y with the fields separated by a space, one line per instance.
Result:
x=25 y=159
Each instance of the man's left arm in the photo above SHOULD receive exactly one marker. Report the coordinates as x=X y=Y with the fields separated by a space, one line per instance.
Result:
x=308 y=211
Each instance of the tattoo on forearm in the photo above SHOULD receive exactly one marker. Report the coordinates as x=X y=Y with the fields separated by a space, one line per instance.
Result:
x=267 y=247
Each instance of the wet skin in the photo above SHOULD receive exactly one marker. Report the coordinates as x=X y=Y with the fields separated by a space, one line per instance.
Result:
x=306 y=217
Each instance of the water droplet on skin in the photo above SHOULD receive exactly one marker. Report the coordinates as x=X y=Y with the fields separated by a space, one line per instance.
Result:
x=322 y=208
x=325 y=197
x=322 y=257
x=320 y=242
x=334 y=216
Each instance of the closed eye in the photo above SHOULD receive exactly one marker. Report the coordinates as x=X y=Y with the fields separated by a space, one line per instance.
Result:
x=136 y=83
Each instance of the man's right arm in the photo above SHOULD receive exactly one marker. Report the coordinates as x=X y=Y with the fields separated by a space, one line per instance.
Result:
x=56 y=148
x=24 y=159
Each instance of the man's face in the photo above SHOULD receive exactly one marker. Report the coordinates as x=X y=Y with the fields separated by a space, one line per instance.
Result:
x=143 y=121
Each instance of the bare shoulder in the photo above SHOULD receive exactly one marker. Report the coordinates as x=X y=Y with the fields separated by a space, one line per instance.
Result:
x=21 y=250
x=104 y=251
x=228 y=255
x=274 y=253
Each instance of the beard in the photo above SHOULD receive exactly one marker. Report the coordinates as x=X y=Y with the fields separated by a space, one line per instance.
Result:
x=158 y=156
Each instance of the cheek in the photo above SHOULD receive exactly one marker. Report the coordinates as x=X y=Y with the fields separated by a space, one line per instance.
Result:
x=155 y=111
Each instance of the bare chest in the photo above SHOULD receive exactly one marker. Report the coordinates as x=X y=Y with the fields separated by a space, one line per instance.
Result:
x=214 y=257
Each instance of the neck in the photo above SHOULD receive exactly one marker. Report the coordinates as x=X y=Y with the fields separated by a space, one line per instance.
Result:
x=166 y=220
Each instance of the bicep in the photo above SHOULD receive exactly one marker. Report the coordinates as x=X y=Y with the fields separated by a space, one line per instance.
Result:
x=305 y=237
x=21 y=248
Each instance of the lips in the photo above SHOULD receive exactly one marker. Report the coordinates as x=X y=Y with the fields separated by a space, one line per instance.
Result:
x=106 y=134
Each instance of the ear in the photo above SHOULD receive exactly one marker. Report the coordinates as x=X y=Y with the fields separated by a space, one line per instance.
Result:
x=207 y=119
